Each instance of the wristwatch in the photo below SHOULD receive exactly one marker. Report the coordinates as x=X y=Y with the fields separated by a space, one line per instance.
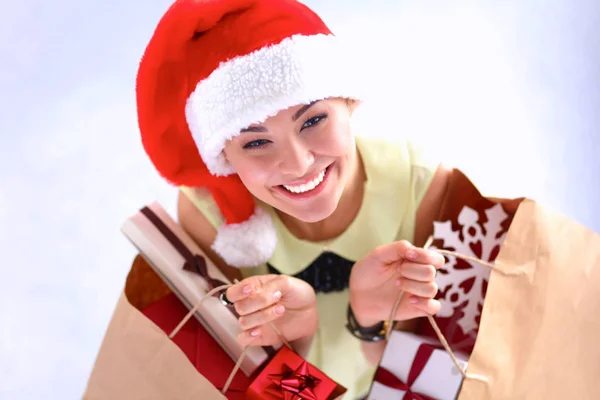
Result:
x=374 y=333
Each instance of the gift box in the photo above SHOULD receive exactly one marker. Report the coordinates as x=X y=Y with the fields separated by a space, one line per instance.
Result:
x=415 y=368
x=289 y=377
x=186 y=270
x=201 y=349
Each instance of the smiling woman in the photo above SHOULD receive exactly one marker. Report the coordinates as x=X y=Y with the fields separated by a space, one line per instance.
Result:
x=278 y=190
x=300 y=160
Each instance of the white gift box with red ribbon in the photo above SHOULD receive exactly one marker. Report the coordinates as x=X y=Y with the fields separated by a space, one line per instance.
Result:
x=190 y=274
x=416 y=368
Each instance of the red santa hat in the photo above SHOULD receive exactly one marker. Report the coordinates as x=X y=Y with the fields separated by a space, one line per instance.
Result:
x=214 y=67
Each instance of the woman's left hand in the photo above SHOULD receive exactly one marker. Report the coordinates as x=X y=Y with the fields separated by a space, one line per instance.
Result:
x=377 y=279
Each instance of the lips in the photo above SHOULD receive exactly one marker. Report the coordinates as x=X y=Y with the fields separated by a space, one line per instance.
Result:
x=308 y=188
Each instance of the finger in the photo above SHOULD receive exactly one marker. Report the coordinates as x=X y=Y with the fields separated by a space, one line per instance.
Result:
x=263 y=297
x=392 y=252
x=250 y=337
x=261 y=317
x=423 y=256
x=425 y=305
x=247 y=287
x=420 y=289
x=437 y=259
x=265 y=336
x=417 y=272
x=404 y=250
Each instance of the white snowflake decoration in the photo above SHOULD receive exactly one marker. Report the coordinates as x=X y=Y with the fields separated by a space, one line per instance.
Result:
x=455 y=296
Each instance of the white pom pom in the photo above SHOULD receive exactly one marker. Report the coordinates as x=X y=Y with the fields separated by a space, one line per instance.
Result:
x=247 y=244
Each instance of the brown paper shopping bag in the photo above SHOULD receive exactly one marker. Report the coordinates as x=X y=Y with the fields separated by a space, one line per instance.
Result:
x=523 y=303
x=137 y=360
x=541 y=317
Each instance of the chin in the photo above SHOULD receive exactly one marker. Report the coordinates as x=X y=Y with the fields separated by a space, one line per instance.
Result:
x=313 y=216
x=316 y=213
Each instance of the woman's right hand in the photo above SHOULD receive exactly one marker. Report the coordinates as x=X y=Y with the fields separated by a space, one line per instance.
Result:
x=289 y=303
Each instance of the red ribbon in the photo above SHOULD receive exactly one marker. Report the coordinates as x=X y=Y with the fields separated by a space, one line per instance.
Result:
x=193 y=262
x=296 y=384
x=387 y=378
x=289 y=377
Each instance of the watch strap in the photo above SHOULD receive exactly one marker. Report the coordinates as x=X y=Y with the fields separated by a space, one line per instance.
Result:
x=373 y=333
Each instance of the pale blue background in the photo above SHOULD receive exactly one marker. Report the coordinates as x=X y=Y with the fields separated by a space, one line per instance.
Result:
x=522 y=76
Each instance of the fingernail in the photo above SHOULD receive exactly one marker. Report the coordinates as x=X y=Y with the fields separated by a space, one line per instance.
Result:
x=247 y=289
x=279 y=310
x=277 y=295
x=413 y=300
x=411 y=255
x=254 y=332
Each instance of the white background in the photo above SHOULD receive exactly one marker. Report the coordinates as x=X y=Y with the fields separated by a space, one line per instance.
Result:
x=508 y=91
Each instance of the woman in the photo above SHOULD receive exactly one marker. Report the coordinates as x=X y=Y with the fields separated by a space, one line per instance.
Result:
x=246 y=105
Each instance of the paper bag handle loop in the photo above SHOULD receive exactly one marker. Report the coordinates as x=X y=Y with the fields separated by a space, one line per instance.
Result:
x=434 y=324
x=193 y=311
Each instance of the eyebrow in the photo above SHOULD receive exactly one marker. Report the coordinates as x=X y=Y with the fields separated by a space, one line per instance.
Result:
x=254 y=129
x=302 y=110
x=295 y=118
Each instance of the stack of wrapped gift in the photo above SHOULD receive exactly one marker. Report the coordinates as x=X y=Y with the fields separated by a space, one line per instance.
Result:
x=209 y=340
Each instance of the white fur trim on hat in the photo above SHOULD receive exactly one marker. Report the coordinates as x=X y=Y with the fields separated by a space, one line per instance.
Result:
x=247 y=244
x=250 y=88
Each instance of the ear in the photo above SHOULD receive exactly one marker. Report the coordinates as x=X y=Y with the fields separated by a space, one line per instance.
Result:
x=352 y=105
x=226 y=150
x=225 y=155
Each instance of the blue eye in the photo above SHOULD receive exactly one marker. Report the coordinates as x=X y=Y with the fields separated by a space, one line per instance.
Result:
x=313 y=121
x=255 y=144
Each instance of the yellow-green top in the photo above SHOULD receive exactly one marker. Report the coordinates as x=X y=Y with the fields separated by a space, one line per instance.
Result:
x=397 y=178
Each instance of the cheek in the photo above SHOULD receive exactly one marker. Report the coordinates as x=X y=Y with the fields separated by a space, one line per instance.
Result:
x=253 y=174
x=337 y=141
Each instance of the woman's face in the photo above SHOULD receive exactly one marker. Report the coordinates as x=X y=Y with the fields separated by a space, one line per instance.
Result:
x=299 y=160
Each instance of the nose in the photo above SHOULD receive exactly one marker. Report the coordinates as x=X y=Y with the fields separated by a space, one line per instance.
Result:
x=296 y=159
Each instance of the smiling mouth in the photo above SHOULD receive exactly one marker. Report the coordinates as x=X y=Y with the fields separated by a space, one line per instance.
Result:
x=308 y=186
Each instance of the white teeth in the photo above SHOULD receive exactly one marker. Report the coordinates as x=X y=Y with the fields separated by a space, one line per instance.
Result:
x=306 y=186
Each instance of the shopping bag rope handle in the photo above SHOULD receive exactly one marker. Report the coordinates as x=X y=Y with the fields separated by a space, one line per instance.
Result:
x=434 y=324
x=238 y=364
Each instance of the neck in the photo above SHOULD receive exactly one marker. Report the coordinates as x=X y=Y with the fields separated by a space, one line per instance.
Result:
x=347 y=209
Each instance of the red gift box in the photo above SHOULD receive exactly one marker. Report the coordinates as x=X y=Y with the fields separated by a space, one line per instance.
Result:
x=289 y=377
x=198 y=345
